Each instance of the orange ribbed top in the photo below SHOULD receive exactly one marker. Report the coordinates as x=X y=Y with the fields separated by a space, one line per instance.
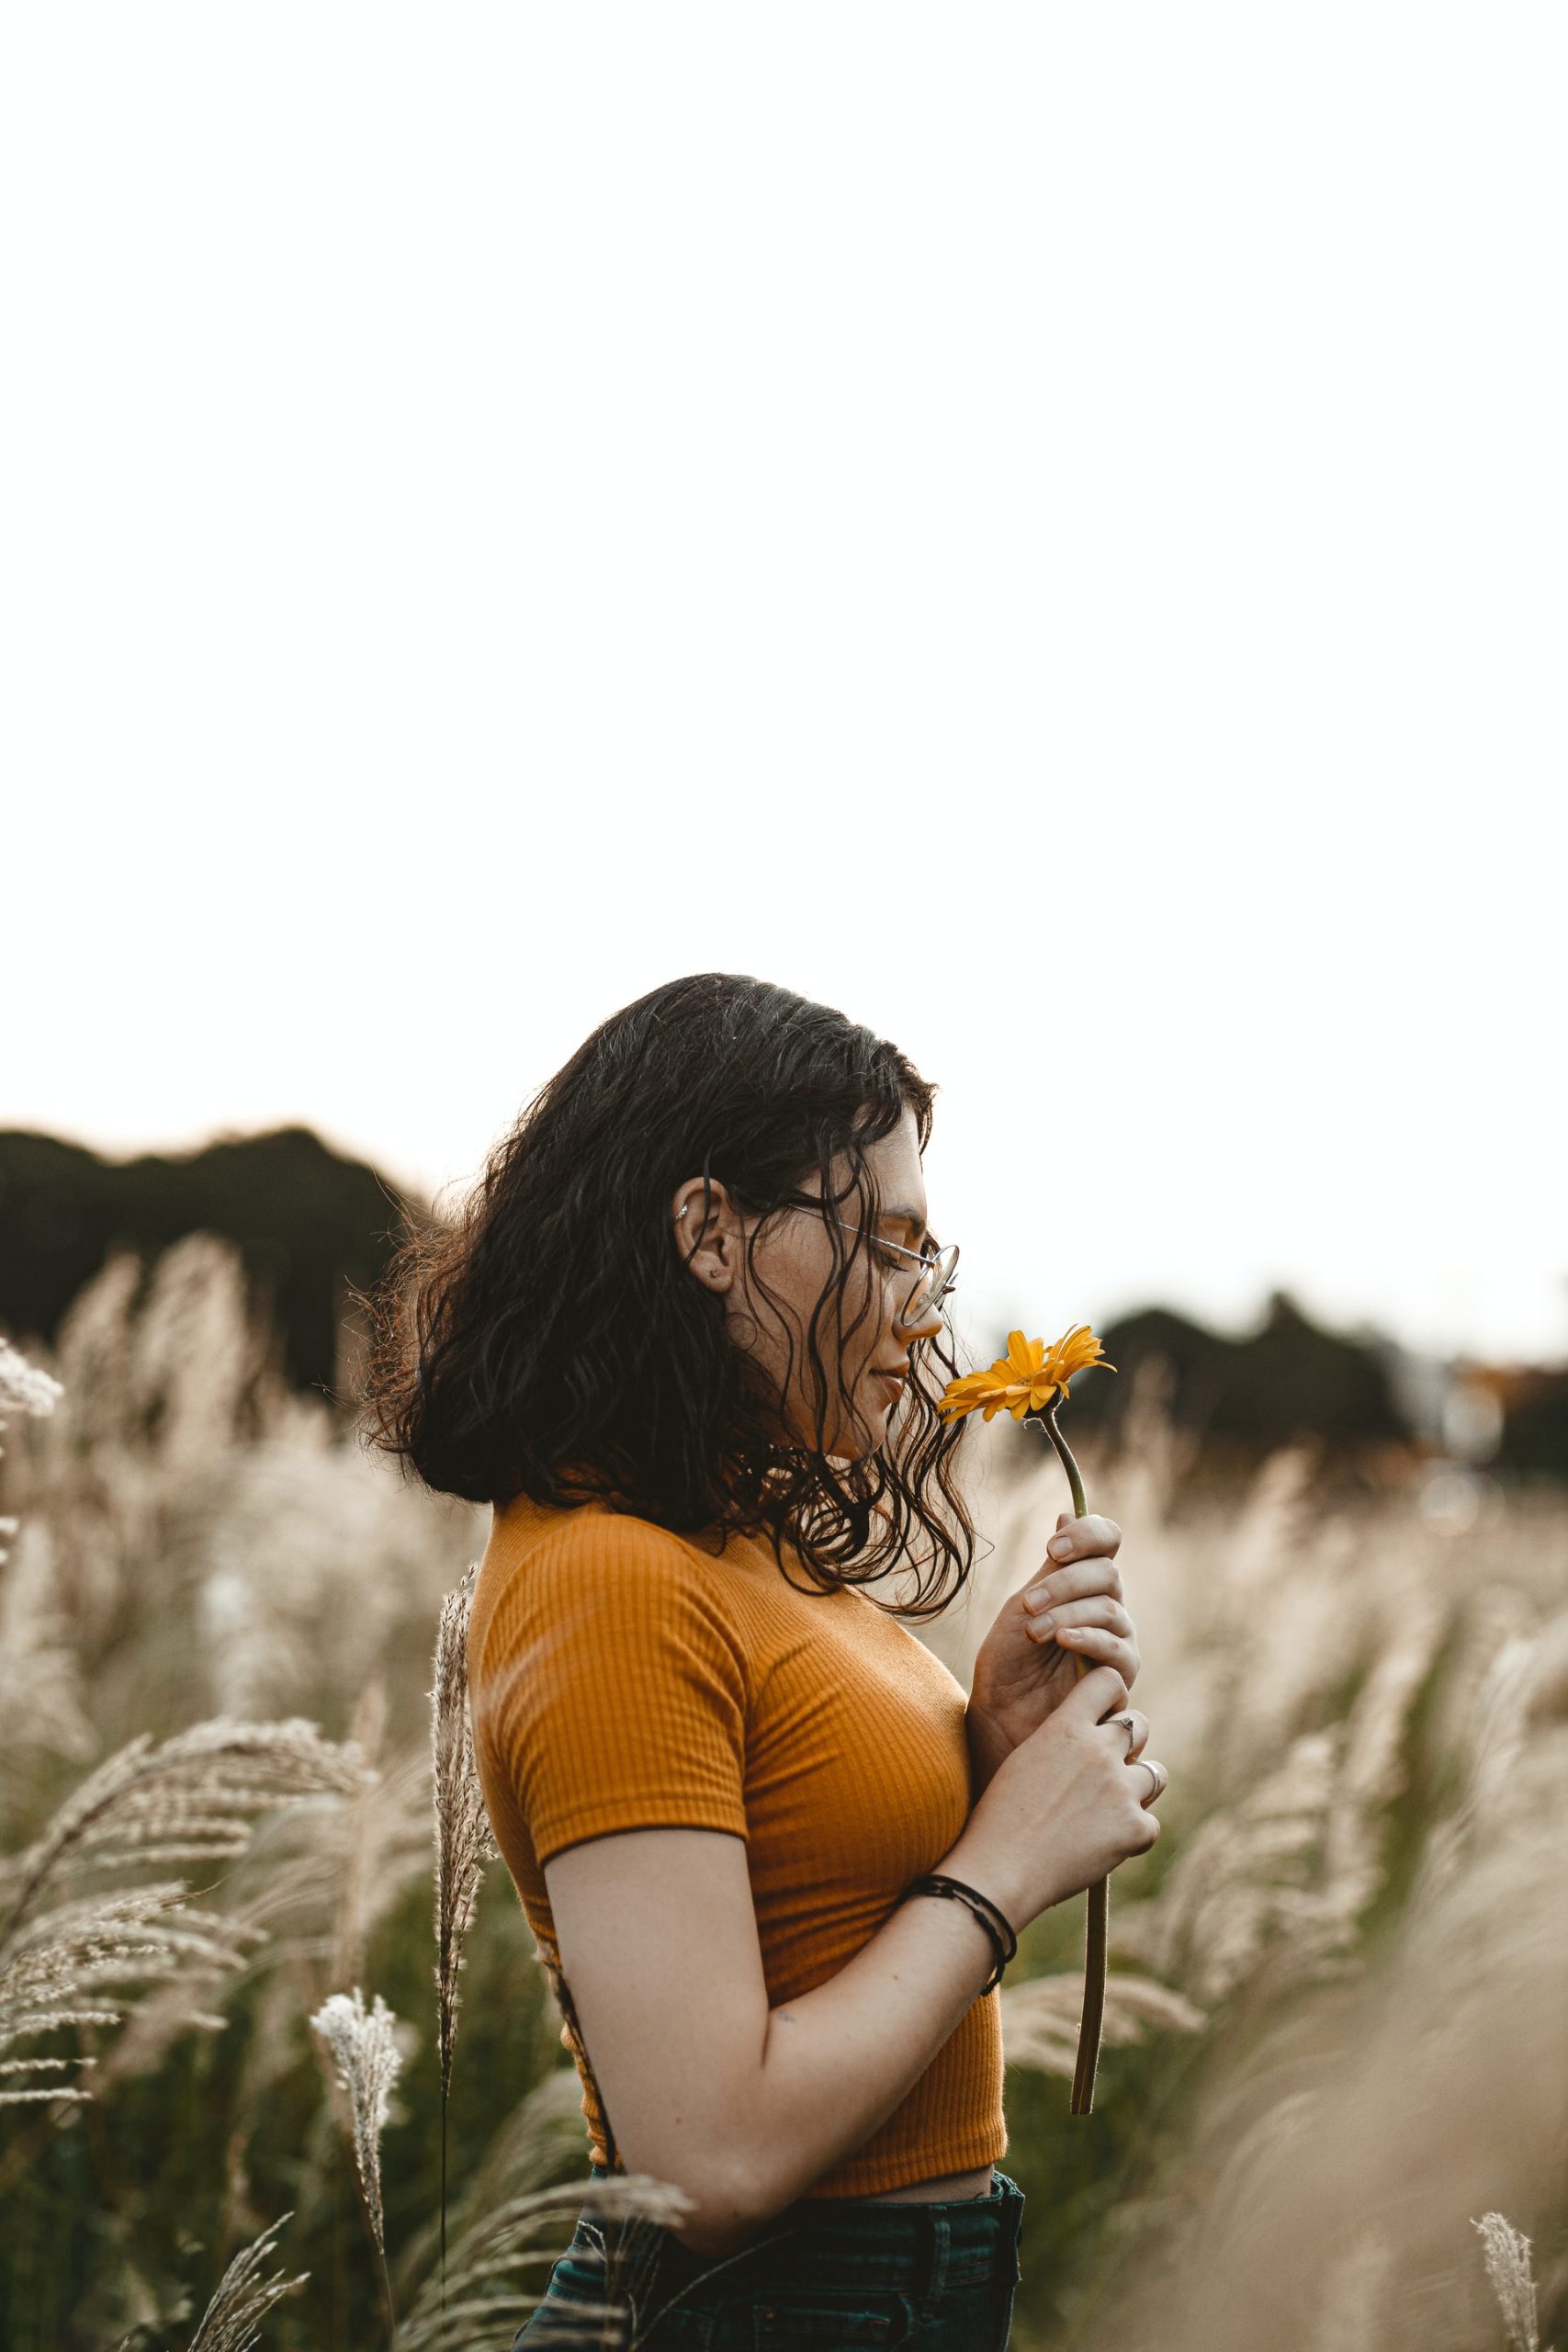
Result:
x=625 y=1677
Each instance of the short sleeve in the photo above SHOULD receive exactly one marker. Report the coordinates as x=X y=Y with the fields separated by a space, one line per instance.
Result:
x=610 y=1689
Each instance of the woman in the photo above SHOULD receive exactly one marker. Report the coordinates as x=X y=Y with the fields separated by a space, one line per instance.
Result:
x=688 y=1341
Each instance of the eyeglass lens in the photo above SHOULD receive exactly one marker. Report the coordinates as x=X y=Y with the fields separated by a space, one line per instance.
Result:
x=931 y=1285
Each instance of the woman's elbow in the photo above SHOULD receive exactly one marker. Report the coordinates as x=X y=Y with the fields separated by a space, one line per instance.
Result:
x=726 y=2211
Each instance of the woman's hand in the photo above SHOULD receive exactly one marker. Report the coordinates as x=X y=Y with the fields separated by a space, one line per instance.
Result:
x=1025 y=1665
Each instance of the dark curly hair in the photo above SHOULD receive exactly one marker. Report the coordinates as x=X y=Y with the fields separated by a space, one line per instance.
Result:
x=550 y=1342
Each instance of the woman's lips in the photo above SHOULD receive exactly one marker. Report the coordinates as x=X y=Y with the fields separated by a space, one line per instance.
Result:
x=893 y=1383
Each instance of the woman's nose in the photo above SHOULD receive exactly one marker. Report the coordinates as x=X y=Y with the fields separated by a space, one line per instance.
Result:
x=926 y=1324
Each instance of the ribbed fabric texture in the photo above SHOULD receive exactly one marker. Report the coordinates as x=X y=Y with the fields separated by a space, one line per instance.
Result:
x=625 y=1677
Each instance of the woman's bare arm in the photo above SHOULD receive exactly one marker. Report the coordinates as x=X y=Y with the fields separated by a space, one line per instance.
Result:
x=746 y=2107
x=742 y=2107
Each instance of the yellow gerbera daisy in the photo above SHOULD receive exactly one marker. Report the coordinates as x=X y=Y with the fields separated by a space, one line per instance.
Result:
x=1026 y=1378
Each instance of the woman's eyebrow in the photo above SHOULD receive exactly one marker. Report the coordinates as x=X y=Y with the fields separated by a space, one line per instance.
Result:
x=909 y=1217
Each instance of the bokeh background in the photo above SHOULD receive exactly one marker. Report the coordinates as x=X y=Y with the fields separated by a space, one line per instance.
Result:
x=1046 y=535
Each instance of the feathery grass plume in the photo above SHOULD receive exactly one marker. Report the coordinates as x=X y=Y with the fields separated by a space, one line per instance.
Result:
x=463 y=1843
x=1278 y=1881
x=191 y=1798
x=197 y=1349
x=1236 y=1890
x=231 y=2322
x=196 y=1796
x=22 y=1387
x=320 y=1876
x=60 y=1959
x=483 y=2295
x=43 y=1703
x=1372 y=1770
x=1040 y=2018
x=363 y=2043
x=1387 y=2105
x=1507 y=2253
x=40 y=1698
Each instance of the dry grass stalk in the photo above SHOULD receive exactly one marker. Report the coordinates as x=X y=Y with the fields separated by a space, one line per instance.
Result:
x=1507 y=2253
x=539 y=2144
x=194 y=1797
x=1399 y=2105
x=463 y=1844
x=1237 y=1888
x=231 y=2322
x=57 y=1961
x=365 y=2045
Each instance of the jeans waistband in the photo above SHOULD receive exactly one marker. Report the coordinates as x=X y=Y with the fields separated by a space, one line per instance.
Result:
x=921 y=2248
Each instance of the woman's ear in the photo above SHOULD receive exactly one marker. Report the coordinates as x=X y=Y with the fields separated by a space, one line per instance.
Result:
x=706 y=1240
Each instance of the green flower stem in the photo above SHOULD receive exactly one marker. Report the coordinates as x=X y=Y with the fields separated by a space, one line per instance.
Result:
x=1047 y=1420
x=1097 y=1933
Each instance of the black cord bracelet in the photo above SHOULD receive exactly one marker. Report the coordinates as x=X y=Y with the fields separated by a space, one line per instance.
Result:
x=993 y=1920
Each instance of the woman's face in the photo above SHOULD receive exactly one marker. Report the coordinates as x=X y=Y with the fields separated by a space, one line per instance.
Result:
x=794 y=1261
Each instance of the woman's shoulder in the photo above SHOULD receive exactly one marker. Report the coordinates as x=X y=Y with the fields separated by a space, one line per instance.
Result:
x=590 y=1598
x=584 y=1547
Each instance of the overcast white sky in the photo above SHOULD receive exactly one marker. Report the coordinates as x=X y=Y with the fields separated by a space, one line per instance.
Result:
x=1043 y=528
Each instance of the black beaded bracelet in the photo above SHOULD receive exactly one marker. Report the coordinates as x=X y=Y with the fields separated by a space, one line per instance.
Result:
x=994 y=1921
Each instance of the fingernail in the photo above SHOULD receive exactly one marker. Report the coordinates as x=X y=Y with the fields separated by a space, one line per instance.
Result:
x=1036 y=1597
x=1059 y=1546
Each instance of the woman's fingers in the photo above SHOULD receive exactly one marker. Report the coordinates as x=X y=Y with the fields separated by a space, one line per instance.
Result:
x=1096 y=1647
x=1149 y=1771
x=1077 y=1581
x=1095 y=1609
x=1075 y=1538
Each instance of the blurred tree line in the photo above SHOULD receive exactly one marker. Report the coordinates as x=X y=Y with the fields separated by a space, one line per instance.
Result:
x=310 y=1224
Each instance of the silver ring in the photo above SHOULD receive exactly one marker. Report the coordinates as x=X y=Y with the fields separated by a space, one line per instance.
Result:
x=1131 y=1726
x=1157 y=1773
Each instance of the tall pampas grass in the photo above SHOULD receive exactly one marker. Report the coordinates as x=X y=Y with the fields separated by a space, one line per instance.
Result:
x=1356 y=2091
x=246 y=2292
x=1507 y=2253
x=1337 y=2024
x=463 y=1842
x=41 y=1696
x=195 y=1797
x=363 y=2043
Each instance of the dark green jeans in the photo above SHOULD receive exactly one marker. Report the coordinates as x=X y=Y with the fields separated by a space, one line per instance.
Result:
x=828 y=2275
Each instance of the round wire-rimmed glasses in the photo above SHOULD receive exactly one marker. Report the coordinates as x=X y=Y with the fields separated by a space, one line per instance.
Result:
x=931 y=1285
x=938 y=1268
